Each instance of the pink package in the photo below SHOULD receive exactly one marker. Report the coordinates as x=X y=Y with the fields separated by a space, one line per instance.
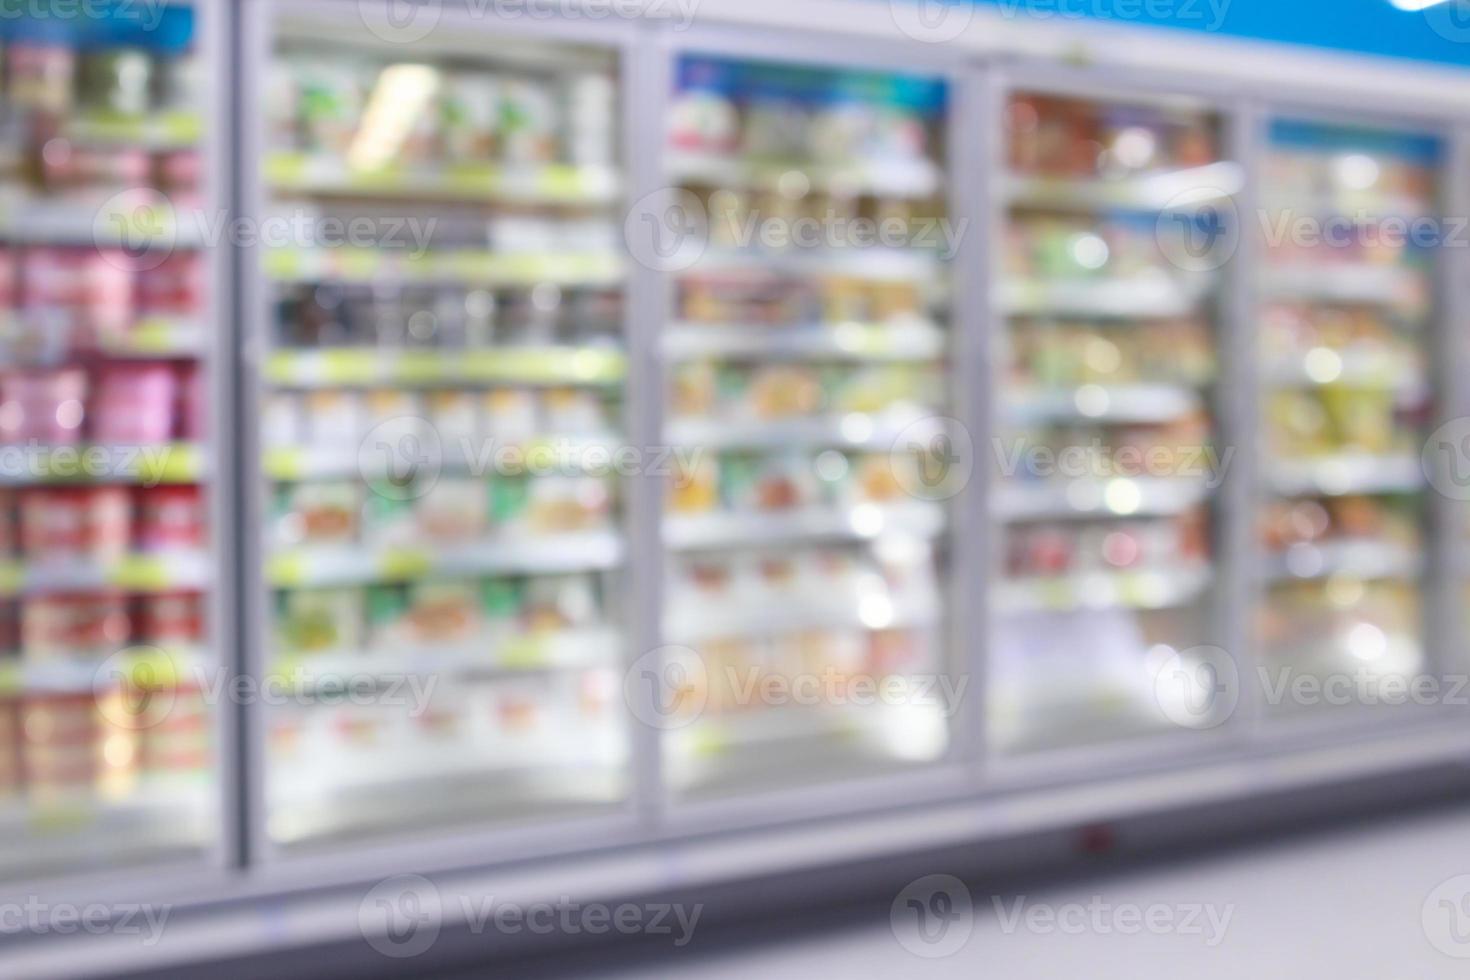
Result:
x=134 y=405
x=174 y=288
x=107 y=293
x=95 y=289
x=45 y=407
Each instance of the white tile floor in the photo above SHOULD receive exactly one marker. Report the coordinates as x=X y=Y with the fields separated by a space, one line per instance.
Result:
x=1363 y=903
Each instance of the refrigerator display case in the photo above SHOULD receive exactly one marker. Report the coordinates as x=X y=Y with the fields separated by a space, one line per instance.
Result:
x=109 y=533
x=808 y=373
x=442 y=516
x=442 y=584
x=1347 y=333
x=1107 y=431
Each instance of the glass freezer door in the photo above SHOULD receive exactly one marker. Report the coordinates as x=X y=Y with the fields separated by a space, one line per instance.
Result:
x=107 y=601
x=443 y=391
x=807 y=389
x=1108 y=455
x=1345 y=337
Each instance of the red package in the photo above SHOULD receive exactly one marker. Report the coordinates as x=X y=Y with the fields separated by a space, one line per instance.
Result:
x=75 y=523
x=170 y=518
x=171 y=619
x=75 y=625
x=174 y=288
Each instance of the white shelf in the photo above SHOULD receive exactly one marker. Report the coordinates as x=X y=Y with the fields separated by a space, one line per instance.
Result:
x=919 y=178
x=138 y=573
x=856 y=430
x=917 y=341
x=703 y=621
x=1356 y=559
x=341 y=367
x=860 y=522
x=525 y=554
x=1089 y=497
x=89 y=465
x=592 y=451
x=1115 y=404
x=1154 y=588
x=1158 y=296
x=1344 y=474
x=1157 y=191
x=873 y=264
x=1378 y=285
x=526 y=185
x=1373 y=205
x=1355 y=368
x=492 y=659
x=79 y=675
x=92 y=223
